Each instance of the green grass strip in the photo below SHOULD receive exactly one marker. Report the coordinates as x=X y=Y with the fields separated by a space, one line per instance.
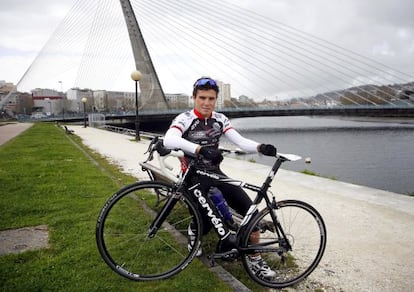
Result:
x=46 y=179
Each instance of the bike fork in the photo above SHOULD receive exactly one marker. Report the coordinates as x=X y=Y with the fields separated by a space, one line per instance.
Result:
x=160 y=218
x=279 y=230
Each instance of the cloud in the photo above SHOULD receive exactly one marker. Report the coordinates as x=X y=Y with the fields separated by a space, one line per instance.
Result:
x=381 y=30
x=25 y=26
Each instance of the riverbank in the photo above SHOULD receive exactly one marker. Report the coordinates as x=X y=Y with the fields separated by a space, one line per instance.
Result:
x=369 y=231
x=392 y=120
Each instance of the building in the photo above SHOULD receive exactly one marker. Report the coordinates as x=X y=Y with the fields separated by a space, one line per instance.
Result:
x=75 y=95
x=178 y=100
x=24 y=103
x=224 y=95
x=5 y=89
x=113 y=101
x=47 y=101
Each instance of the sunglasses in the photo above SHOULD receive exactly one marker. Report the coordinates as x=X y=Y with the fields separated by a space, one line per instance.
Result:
x=204 y=81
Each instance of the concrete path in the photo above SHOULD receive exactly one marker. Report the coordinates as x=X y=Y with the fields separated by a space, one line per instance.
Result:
x=9 y=131
x=370 y=231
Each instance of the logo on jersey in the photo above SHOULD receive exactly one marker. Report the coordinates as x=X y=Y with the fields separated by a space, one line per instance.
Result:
x=194 y=125
x=215 y=130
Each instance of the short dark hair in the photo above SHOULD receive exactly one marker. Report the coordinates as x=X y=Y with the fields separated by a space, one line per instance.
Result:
x=205 y=83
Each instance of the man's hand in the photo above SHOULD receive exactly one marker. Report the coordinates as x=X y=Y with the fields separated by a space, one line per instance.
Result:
x=267 y=149
x=212 y=154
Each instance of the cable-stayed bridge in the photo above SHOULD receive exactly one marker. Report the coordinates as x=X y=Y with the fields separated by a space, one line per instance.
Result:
x=173 y=43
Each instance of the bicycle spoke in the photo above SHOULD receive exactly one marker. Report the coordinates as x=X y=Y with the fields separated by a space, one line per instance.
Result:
x=124 y=241
x=306 y=235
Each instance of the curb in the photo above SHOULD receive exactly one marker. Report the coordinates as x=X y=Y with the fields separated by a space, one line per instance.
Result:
x=225 y=276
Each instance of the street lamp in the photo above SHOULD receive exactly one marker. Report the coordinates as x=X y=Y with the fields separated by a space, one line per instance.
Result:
x=50 y=108
x=136 y=76
x=84 y=100
x=63 y=102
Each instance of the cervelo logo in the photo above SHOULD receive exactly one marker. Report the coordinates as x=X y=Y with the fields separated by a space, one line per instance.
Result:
x=214 y=220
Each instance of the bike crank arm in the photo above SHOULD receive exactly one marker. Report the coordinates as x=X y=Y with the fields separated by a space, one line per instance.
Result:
x=261 y=249
x=227 y=255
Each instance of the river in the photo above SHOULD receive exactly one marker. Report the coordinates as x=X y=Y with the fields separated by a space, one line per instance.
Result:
x=378 y=153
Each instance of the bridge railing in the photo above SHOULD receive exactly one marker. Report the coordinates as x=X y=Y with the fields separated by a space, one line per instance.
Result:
x=239 y=112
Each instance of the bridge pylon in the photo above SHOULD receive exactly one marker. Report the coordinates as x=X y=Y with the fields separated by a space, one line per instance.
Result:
x=151 y=94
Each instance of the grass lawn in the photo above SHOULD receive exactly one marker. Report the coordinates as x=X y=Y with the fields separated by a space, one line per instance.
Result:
x=46 y=180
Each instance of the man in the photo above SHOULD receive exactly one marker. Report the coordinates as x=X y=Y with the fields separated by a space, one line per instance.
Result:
x=198 y=131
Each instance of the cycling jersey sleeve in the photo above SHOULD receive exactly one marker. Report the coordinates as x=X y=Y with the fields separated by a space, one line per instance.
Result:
x=173 y=140
x=244 y=143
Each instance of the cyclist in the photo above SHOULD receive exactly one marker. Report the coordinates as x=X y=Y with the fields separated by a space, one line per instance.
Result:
x=198 y=131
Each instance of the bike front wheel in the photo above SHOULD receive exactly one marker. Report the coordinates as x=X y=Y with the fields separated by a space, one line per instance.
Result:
x=123 y=232
x=291 y=242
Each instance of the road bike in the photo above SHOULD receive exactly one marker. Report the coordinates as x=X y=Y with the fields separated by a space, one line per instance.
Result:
x=142 y=229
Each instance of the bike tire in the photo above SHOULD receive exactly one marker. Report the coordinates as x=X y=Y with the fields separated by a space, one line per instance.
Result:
x=306 y=234
x=123 y=226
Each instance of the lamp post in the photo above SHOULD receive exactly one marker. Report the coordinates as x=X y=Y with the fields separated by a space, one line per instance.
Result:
x=50 y=108
x=63 y=101
x=84 y=100
x=136 y=76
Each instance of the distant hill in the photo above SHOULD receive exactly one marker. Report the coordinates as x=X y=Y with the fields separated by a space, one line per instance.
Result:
x=365 y=94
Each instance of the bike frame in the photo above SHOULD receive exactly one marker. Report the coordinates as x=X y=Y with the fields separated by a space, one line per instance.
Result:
x=197 y=182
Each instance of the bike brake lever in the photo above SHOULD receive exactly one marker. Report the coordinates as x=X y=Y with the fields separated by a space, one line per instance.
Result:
x=150 y=146
x=151 y=149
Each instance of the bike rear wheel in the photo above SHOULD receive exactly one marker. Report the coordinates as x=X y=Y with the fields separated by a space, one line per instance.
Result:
x=293 y=259
x=122 y=232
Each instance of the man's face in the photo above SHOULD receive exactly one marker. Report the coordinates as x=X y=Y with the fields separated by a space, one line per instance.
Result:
x=205 y=101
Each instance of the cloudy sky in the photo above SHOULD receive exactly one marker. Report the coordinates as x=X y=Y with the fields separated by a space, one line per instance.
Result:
x=379 y=29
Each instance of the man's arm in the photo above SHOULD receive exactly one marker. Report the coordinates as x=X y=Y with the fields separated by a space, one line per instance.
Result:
x=250 y=145
x=244 y=143
x=173 y=140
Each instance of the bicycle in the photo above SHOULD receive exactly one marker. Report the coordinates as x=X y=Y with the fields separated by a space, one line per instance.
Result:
x=292 y=234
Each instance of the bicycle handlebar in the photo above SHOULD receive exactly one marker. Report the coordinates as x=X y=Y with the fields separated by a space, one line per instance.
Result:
x=166 y=169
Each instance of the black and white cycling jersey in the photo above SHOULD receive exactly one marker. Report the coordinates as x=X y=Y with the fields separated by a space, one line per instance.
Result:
x=190 y=129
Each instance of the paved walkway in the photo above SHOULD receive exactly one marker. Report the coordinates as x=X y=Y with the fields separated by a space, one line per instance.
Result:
x=9 y=131
x=370 y=231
